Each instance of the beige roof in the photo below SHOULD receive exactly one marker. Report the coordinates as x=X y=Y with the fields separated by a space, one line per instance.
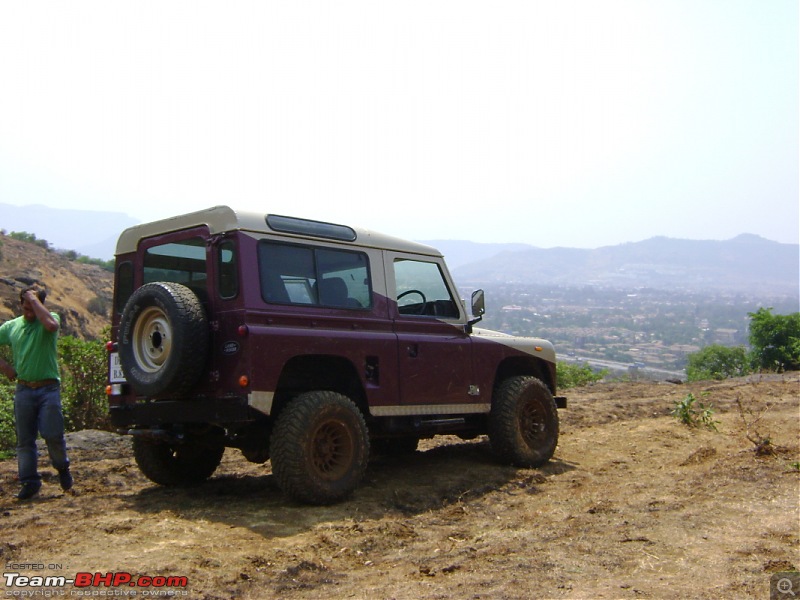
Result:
x=220 y=219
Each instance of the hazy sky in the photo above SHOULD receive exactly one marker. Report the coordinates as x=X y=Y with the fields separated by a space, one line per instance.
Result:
x=577 y=123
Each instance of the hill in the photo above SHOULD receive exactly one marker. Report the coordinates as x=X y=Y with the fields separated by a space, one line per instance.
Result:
x=744 y=263
x=81 y=294
x=461 y=252
x=90 y=233
x=634 y=504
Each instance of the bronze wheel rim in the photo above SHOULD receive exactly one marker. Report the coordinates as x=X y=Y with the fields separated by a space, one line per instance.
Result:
x=332 y=450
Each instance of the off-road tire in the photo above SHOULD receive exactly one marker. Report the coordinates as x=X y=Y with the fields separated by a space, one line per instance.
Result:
x=319 y=448
x=163 y=339
x=523 y=422
x=183 y=464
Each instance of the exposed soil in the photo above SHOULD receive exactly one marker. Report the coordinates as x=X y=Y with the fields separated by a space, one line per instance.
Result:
x=633 y=505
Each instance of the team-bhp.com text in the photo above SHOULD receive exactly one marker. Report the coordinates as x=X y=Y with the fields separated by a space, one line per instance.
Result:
x=94 y=584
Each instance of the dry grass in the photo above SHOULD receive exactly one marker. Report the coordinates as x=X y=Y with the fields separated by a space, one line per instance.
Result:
x=634 y=505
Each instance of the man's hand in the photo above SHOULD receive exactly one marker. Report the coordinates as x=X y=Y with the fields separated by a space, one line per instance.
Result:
x=38 y=310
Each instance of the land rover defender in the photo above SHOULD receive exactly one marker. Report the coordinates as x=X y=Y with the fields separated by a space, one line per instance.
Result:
x=308 y=344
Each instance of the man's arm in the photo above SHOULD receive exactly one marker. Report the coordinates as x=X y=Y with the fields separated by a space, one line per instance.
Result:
x=41 y=312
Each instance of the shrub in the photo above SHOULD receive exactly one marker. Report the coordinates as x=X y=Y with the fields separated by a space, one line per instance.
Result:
x=83 y=383
x=98 y=306
x=569 y=375
x=8 y=436
x=698 y=415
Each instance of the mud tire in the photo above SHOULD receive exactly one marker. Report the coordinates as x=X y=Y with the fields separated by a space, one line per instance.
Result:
x=523 y=422
x=319 y=448
x=183 y=464
x=163 y=339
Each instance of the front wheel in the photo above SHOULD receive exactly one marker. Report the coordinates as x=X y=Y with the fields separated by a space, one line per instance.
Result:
x=523 y=422
x=319 y=447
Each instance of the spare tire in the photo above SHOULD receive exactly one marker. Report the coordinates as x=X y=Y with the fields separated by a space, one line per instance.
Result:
x=163 y=339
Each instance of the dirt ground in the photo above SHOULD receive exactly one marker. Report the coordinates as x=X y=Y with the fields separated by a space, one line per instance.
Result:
x=633 y=505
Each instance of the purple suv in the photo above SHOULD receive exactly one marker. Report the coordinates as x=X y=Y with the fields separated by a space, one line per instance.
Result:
x=309 y=344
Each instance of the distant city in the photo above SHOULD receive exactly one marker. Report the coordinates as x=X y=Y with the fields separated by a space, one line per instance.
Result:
x=643 y=332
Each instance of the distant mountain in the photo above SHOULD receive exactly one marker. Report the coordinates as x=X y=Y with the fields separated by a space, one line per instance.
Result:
x=744 y=263
x=461 y=252
x=91 y=233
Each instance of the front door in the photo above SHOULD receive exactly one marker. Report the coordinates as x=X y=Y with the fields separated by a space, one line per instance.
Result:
x=434 y=352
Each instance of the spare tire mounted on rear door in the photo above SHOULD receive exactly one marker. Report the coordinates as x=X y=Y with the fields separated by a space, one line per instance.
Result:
x=163 y=339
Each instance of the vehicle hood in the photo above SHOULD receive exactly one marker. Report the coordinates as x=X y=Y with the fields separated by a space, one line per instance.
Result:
x=534 y=346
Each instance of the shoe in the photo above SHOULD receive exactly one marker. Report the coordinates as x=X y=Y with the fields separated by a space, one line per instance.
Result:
x=65 y=479
x=29 y=490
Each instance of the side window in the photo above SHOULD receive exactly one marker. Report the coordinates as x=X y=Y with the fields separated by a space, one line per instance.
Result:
x=343 y=279
x=287 y=273
x=422 y=290
x=313 y=276
x=228 y=283
x=124 y=286
x=180 y=262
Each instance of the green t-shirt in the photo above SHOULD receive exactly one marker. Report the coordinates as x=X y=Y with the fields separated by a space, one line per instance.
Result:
x=33 y=348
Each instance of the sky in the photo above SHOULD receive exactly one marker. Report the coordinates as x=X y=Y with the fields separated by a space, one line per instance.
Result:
x=579 y=123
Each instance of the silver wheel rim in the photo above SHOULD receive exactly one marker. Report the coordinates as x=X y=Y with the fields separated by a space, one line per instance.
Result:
x=152 y=339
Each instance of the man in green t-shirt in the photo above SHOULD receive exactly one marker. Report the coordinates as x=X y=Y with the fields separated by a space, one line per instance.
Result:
x=33 y=339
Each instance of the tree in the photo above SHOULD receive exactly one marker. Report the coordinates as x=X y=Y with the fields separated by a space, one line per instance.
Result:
x=774 y=340
x=717 y=362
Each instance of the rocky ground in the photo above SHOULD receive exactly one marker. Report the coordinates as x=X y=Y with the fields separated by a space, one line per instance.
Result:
x=634 y=505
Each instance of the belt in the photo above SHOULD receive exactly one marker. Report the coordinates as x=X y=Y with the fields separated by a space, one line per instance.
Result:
x=37 y=384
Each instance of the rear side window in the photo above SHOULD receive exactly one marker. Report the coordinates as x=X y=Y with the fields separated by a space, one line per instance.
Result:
x=124 y=285
x=226 y=268
x=304 y=275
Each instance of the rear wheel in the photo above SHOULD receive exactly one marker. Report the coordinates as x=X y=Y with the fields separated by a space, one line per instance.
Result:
x=523 y=422
x=185 y=463
x=319 y=447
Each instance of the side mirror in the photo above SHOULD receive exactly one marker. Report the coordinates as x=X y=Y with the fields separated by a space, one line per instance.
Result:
x=478 y=309
x=478 y=306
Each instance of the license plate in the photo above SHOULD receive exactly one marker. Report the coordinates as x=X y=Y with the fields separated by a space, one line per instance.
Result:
x=115 y=374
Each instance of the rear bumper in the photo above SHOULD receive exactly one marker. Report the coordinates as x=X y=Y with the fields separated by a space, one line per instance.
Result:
x=164 y=412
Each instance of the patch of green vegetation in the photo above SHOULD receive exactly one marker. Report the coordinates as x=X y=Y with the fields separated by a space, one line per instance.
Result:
x=570 y=376
x=692 y=413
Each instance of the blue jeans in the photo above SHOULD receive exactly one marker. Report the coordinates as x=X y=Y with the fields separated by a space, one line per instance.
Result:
x=39 y=411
